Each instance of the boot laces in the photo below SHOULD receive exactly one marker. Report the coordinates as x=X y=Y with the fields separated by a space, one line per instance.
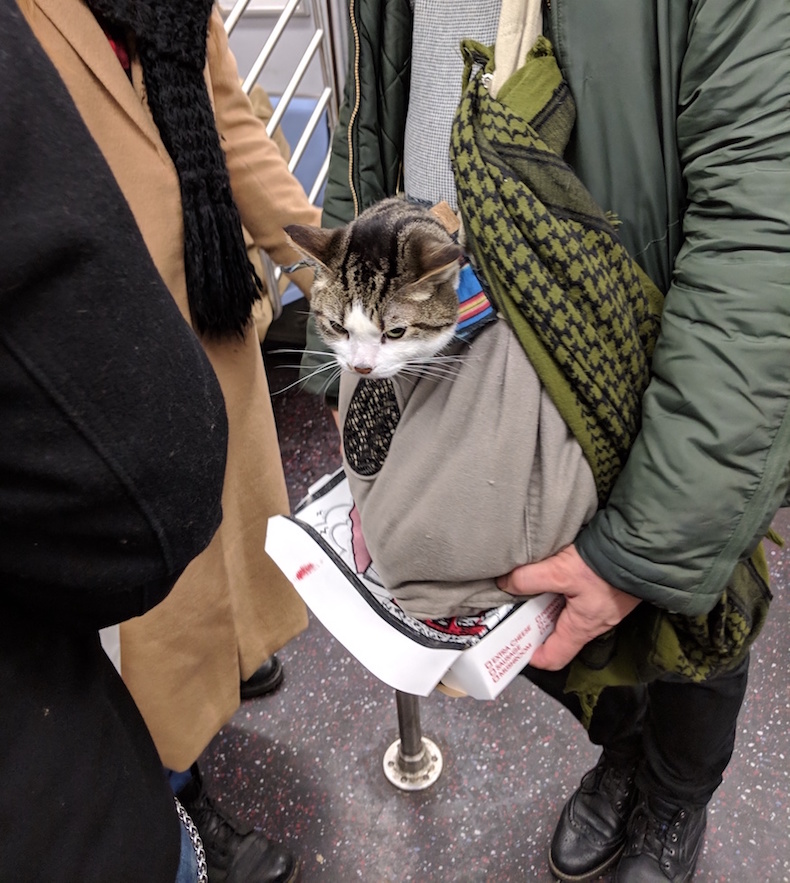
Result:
x=216 y=826
x=616 y=782
x=658 y=837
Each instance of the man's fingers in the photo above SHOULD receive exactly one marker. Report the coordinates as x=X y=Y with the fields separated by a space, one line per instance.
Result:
x=592 y=605
x=561 y=645
x=553 y=655
x=530 y=579
x=543 y=657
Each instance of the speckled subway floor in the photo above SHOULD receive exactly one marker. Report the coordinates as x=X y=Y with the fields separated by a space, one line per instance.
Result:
x=305 y=763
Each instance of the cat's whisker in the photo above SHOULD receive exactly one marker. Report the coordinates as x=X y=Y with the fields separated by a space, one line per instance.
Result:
x=285 y=351
x=427 y=375
x=442 y=358
x=435 y=370
x=330 y=367
x=431 y=369
x=299 y=352
x=331 y=379
x=451 y=365
x=457 y=358
x=454 y=359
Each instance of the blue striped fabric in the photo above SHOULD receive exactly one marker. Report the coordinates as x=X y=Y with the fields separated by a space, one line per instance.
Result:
x=474 y=308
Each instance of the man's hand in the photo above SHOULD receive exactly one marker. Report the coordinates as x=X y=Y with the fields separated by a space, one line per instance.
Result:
x=592 y=605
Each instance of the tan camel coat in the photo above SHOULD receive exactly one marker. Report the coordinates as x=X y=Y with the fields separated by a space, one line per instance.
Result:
x=232 y=607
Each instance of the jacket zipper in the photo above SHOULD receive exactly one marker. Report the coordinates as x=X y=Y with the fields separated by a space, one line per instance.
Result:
x=355 y=110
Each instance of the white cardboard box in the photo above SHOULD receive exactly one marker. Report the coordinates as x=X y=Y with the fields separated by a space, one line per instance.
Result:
x=315 y=550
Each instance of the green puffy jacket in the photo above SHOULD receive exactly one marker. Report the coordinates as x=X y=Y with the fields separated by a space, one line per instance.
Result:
x=683 y=131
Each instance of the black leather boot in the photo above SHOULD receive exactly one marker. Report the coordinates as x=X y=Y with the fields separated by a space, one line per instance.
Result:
x=235 y=852
x=591 y=832
x=265 y=680
x=663 y=844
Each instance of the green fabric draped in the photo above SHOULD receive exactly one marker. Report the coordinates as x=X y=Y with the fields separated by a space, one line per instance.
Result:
x=652 y=642
x=587 y=317
x=585 y=313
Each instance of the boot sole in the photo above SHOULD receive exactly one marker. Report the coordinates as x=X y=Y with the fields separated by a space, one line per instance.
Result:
x=588 y=875
x=216 y=875
x=264 y=688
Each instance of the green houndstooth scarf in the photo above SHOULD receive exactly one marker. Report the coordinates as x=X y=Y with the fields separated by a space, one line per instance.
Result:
x=585 y=313
x=587 y=317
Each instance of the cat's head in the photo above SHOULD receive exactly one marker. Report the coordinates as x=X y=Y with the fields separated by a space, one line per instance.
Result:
x=384 y=293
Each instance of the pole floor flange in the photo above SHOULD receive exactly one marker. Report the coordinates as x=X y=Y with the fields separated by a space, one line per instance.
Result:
x=412 y=762
x=413 y=773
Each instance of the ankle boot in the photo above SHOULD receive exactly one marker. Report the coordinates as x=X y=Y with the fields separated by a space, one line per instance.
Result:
x=265 y=680
x=663 y=845
x=235 y=852
x=591 y=832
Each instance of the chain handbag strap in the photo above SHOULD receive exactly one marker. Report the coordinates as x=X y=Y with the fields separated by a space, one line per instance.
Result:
x=197 y=843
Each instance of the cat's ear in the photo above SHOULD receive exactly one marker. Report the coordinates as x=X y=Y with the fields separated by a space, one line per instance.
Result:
x=315 y=243
x=438 y=261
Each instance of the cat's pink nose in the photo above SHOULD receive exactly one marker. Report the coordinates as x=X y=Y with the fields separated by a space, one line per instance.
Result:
x=362 y=369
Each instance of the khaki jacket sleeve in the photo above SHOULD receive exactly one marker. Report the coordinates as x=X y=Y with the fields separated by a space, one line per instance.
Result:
x=268 y=195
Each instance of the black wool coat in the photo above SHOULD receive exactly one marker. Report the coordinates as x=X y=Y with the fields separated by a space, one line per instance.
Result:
x=113 y=439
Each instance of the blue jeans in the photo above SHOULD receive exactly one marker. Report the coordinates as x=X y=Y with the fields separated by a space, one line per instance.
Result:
x=187 y=865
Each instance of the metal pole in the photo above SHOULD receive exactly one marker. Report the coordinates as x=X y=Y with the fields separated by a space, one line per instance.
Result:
x=413 y=762
x=411 y=752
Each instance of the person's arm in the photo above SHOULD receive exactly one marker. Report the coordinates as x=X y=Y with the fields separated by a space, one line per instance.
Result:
x=268 y=195
x=113 y=431
x=712 y=463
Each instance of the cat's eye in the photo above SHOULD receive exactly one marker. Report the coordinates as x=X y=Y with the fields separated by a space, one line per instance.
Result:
x=338 y=329
x=395 y=333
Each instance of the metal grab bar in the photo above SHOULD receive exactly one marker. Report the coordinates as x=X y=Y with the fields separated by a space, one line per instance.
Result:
x=290 y=89
x=234 y=15
x=268 y=46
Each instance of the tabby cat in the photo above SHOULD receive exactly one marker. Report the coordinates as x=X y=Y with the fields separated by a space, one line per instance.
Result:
x=440 y=519
x=384 y=296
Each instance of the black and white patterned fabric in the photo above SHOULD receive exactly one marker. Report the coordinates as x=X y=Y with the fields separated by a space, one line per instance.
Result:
x=436 y=69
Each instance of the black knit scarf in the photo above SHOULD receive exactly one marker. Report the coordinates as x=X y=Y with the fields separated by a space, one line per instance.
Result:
x=170 y=38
